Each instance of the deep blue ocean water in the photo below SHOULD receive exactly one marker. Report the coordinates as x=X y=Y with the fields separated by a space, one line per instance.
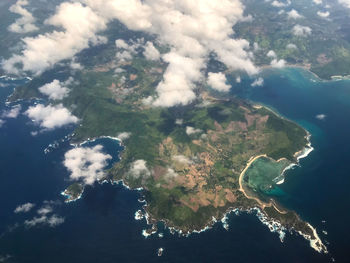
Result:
x=101 y=227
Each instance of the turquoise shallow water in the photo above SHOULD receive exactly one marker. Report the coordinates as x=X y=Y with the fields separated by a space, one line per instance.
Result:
x=101 y=227
x=262 y=174
x=318 y=190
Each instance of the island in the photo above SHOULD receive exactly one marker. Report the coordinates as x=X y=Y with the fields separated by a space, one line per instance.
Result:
x=194 y=163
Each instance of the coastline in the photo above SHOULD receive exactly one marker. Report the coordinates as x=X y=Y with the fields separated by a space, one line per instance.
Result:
x=273 y=225
x=307 y=68
x=91 y=140
x=69 y=198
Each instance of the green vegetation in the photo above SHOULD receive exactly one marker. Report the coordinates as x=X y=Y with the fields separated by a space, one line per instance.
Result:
x=326 y=51
x=73 y=192
x=193 y=154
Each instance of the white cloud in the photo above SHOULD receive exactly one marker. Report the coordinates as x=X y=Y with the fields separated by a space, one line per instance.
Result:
x=182 y=159
x=13 y=113
x=25 y=23
x=51 y=221
x=278 y=63
x=280 y=4
x=127 y=51
x=79 y=26
x=190 y=130
x=2 y=122
x=191 y=29
x=293 y=14
x=291 y=46
x=55 y=220
x=120 y=43
x=170 y=174
x=317 y=2
x=151 y=52
x=302 y=31
x=271 y=54
x=86 y=164
x=24 y=208
x=36 y=221
x=256 y=47
x=124 y=135
x=323 y=14
x=321 y=117
x=258 y=82
x=179 y=121
x=274 y=62
x=56 y=90
x=50 y=117
x=238 y=79
x=47 y=209
x=218 y=81
x=179 y=80
x=139 y=169
x=76 y=66
x=345 y=3
x=44 y=217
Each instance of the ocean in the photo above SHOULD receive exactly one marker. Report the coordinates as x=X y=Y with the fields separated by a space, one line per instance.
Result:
x=100 y=227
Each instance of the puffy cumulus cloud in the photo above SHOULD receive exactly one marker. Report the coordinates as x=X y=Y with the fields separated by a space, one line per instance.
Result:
x=256 y=47
x=25 y=23
x=151 y=52
x=345 y=3
x=170 y=174
x=179 y=80
x=51 y=221
x=50 y=117
x=56 y=89
x=12 y=113
x=271 y=54
x=120 y=43
x=301 y=31
x=182 y=159
x=317 y=2
x=191 y=29
x=190 y=130
x=293 y=14
x=79 y=26
x=274 y=62
x=24 y=208
x=139 y=169
x=124 y=136
x=278 y=63
x=321 y=117
x=127 y=51
x=86 y=163
x=323 y=14
x=179 y=121
x=2 y=122
x=76 y=66
x=218 y=81
x=46 y=216
x=291 y=46
x=47 y=209
x=258 y=82
x=280 y=4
